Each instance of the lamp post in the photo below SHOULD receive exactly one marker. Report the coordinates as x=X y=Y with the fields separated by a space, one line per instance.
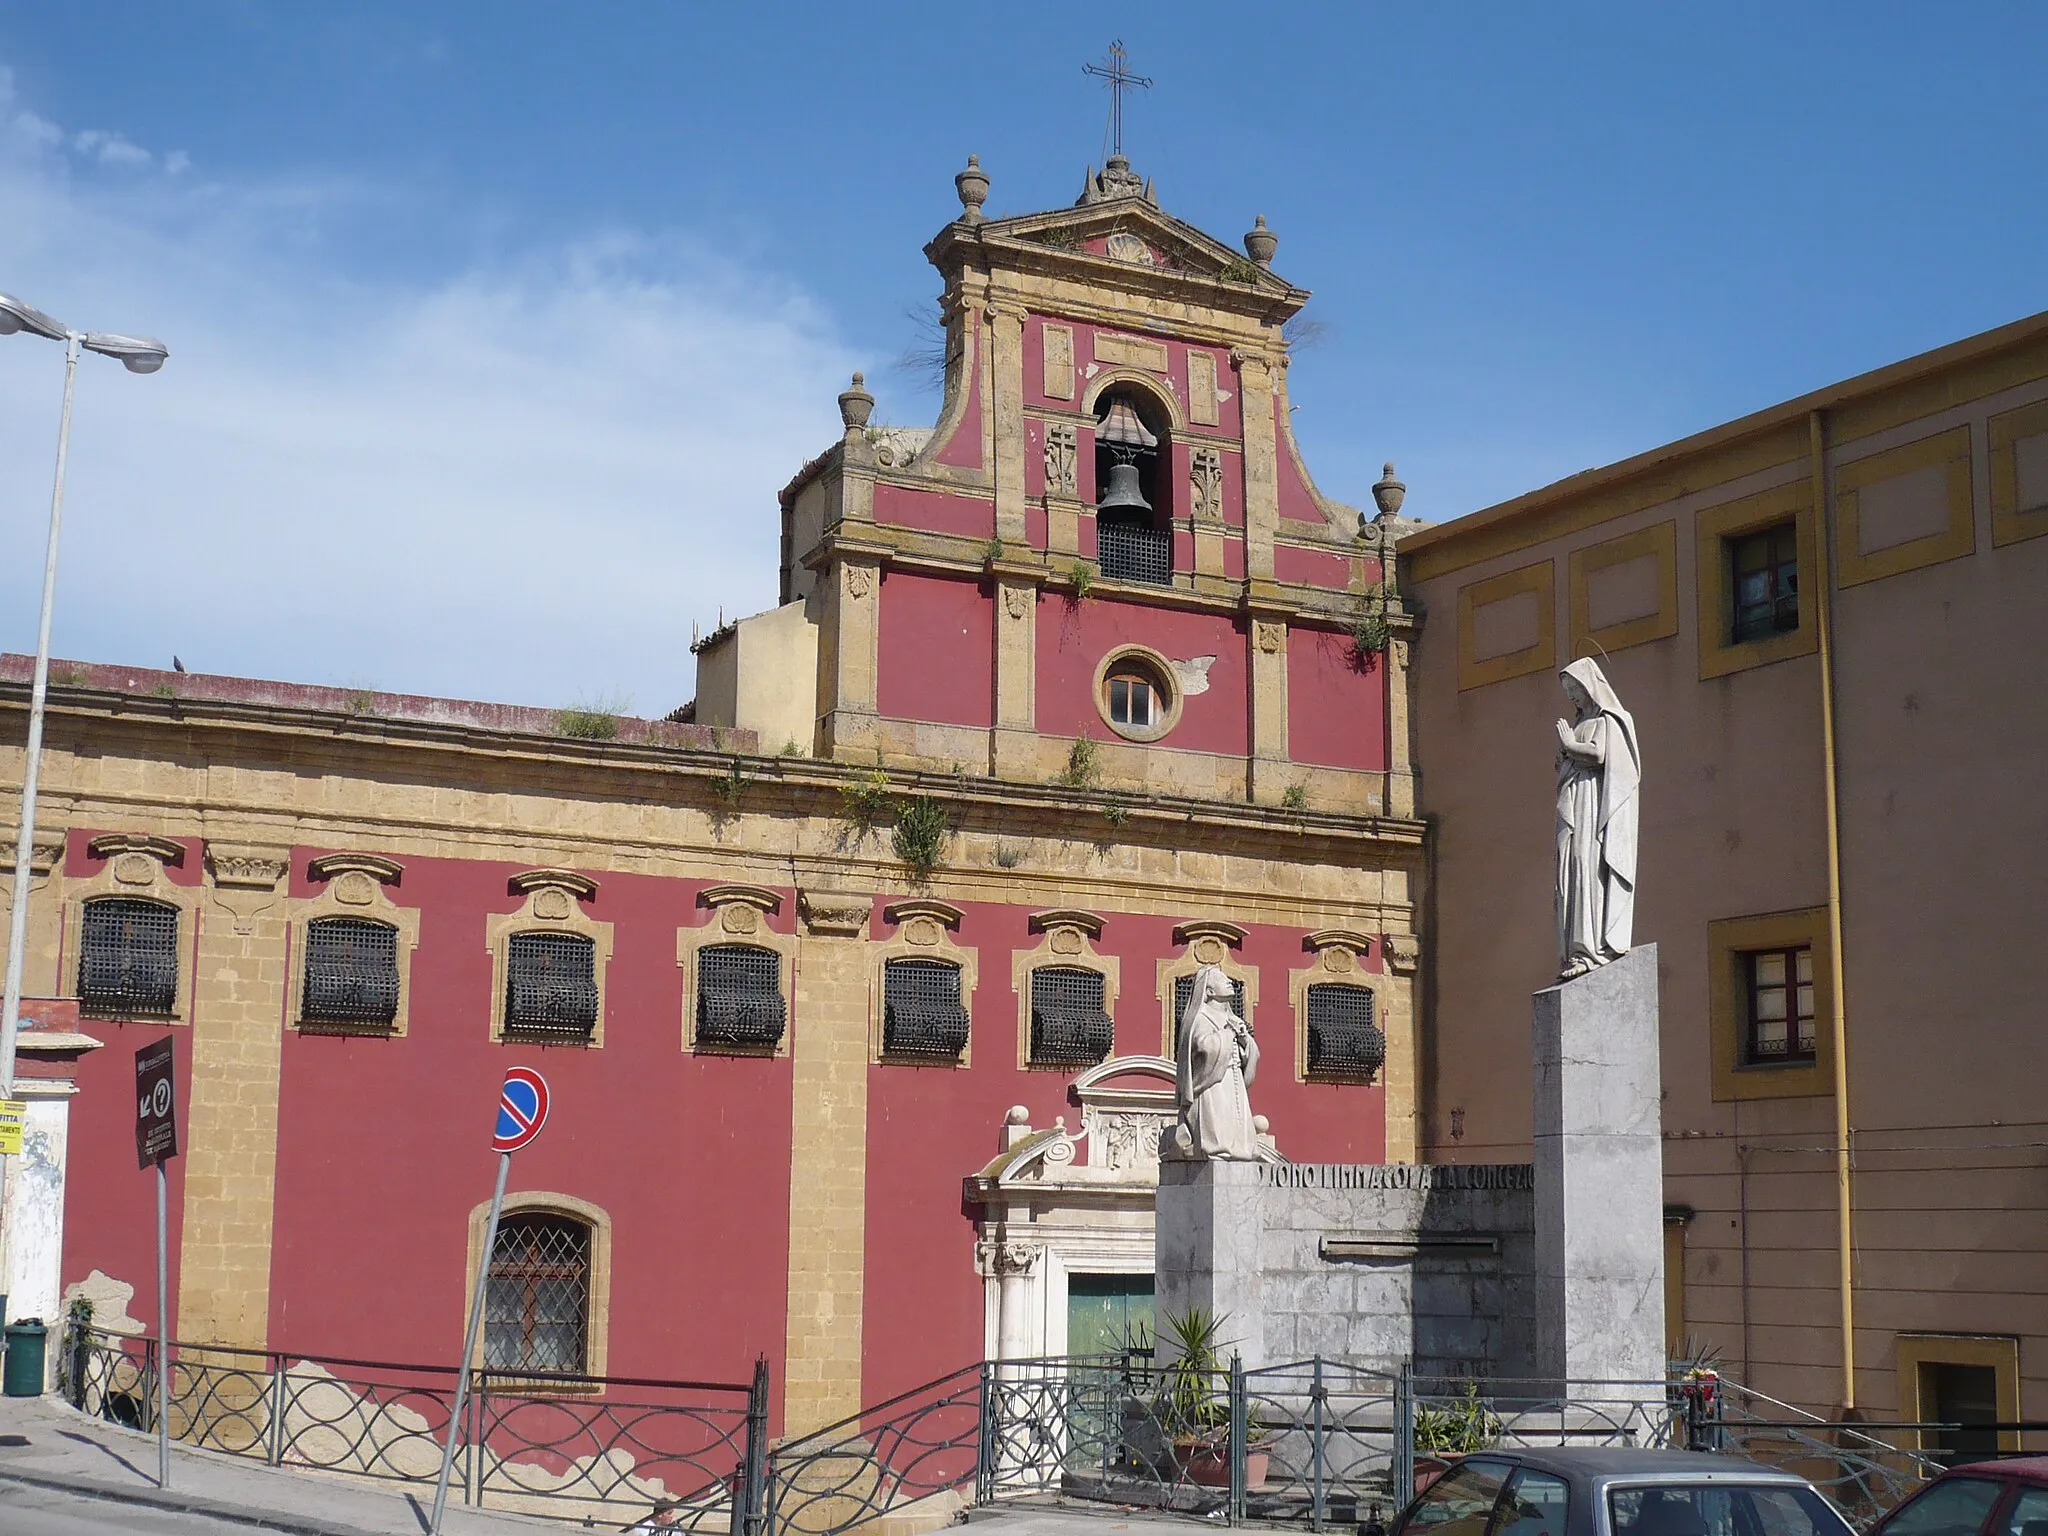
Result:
x=139 y=354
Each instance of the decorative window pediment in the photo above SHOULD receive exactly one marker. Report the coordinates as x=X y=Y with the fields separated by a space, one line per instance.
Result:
x=352 y=949
x=1204 y=941
x=921 y=996
x=1066 y=992
x=737 y=972
x=1340 y=1009
x=549 y=961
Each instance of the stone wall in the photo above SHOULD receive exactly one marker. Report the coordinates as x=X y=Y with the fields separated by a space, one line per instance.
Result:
x=1384 y=1265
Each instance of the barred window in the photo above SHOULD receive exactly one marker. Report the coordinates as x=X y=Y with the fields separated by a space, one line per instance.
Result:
x=1343 y=1040
x=1069 y=1025
x=739 y=997
x=1184 y=989
x=351 y=976
x=128 y=957
x=550 y=986
x=1132 y=549
x=1779 y=1018
x=921 y=1010
x=537 y=1301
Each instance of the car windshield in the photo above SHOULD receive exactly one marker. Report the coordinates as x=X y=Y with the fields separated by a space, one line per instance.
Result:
x=1721 y=1509
x=1951 y=1506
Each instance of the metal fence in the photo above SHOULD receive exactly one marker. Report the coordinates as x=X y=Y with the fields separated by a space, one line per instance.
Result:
x=580 y=1447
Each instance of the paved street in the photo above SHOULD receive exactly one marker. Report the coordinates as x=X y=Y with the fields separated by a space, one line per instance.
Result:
x=26 y=1511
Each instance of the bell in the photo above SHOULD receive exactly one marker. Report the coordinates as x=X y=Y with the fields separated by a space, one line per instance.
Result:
x=1123 y=490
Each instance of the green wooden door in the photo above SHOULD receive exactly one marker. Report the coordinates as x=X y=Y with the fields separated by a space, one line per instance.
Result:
x=1107 y=1313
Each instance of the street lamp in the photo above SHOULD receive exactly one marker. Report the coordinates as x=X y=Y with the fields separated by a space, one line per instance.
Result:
x=138 y=354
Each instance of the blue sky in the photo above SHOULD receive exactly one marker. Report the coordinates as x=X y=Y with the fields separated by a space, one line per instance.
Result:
x=496 y=327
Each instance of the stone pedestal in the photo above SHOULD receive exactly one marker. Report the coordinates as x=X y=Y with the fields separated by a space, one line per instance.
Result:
x=1600 y=1176
x=1209 y=1225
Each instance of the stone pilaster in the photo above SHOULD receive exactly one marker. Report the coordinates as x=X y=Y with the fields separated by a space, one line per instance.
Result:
x=1400 y=731
x=1261 y=462
x=1006 y=379
x=1269 y=772
x=1012 y=753
x=828 y=1162
x=1400 y=957
x=848 y=640
x=237 y=1053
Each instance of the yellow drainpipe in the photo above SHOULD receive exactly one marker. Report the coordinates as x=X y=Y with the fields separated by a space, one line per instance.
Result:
x=1837 y=1002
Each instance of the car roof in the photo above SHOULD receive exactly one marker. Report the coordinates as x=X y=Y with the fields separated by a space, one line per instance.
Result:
x=2004 y=1466
x=1613 y=1461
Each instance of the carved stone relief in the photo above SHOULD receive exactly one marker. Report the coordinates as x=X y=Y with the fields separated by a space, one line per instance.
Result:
x=1059 y=362
x=1017 y=601
x=135 y=869
x=1206 y=471
x=355 y=889
x=255 y=869
x=1270 y=637
x=1060 y=457
x=860 y=580
x=1202 y=403
x=552 y=903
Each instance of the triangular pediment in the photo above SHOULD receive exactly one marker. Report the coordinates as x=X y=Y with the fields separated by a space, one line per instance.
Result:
x=1126 y=243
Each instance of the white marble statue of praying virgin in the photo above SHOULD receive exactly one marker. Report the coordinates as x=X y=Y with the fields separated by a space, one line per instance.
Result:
x=1217 y=1058
x=1599 y=774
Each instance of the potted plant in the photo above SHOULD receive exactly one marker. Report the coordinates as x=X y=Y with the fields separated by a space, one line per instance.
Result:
x=1446 y=1431
x=1193 y=1407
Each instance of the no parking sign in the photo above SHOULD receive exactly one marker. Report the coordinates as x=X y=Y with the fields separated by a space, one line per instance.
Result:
x=522 y=1109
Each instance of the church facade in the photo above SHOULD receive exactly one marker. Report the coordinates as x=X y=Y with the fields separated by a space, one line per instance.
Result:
x=857 y=990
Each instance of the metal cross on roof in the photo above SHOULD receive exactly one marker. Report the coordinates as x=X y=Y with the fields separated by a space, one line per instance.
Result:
x=1117 y=73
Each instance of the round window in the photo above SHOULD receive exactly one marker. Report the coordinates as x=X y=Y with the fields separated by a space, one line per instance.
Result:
x=1135 y=693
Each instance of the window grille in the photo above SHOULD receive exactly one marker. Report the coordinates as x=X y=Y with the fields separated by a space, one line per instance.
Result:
x=351 y=972
x=550 y=986
x=1129 y=550
x=1343 y=1040
x=1184 y=989
x=1765 y=567
x=128 y=957
x=537 y=1302
x=1779 y=1017
x=739 y=997
x=1069 y=1025
x=921 y=1010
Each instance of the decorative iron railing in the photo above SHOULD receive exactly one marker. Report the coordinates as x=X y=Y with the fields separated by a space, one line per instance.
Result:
x=587 y=1448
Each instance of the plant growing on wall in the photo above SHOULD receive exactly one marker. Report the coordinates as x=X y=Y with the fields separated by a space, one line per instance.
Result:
x=1083 y=577
x=922 y=831
x=864 y=804
x=992 y=548
x=593 y=720
x=731 y=785
x=1084 y=762
x=1117 y=811
x=1371 y=629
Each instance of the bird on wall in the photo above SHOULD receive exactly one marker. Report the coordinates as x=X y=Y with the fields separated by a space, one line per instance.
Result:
x=177 y=665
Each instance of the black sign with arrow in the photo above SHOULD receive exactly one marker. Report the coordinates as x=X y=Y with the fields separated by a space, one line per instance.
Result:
x=156 y=1112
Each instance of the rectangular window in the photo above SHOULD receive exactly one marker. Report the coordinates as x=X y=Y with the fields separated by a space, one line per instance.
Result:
x=550 y=986
x=351 y=978
x=1130 y=701
x=739 y=998
x=1764 y=578
x=128 y=958
x=537 y=1301
x=1343 y=1040
x=1070 y=1027
x=1779 y=1018
x=921 y=1010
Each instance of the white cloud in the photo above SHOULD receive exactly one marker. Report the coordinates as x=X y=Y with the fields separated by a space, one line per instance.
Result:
x=519 y=481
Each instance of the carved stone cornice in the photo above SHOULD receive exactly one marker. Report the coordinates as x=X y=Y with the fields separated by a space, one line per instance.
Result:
x=835 y=914
x=1209 y=928
x=903 y=911
x=236 y=866
x=581 y=886
x=1338 y=938
x=757 y=896
x=1007 y=1260
x=1066 y=917
x=330 y=866
x=114 y=844
x=1401 y=952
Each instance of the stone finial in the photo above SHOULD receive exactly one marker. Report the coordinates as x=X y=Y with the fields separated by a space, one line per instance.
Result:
x=856 y=404
x=1260 y=242
x=1388 y=493
x=972 y=185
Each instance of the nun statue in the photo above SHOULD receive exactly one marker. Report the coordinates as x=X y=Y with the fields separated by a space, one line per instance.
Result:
x=1216 y=1060
x=1599 y=771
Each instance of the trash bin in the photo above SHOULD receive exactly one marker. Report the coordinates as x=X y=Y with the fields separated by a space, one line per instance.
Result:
x=24 y=1371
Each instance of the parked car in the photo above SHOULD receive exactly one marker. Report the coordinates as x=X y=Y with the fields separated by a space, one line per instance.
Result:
x=1980 y=1498
x=1609 y=1491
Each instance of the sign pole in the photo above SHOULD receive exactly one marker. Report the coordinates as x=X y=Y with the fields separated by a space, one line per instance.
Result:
x=522 y=1111
x=156 y=1142
x=476 y=1320
x=163 y=1353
